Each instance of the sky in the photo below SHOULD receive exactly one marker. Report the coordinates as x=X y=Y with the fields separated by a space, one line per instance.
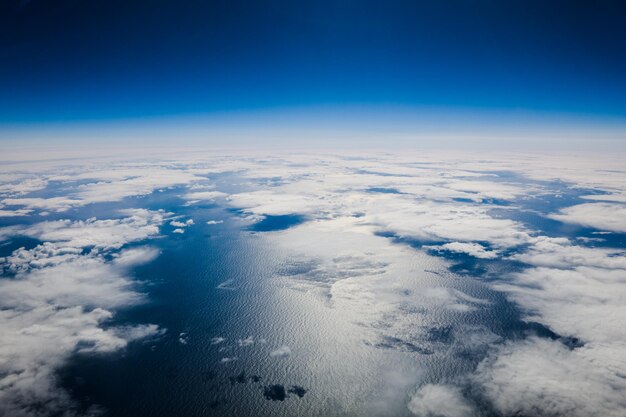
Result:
x=79 y=66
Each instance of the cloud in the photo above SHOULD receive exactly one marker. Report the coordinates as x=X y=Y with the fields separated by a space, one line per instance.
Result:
x=602 y=216
x=246 y=342
x=212 y=222
x=389 y=398
x=14 y=213
x=114 y=183
x=176 y=223
x=435 y=400
x=23 y=186
x=135 y=256
x=59 y=300
x=59 y=204
x=544 y=377
x=355 y=253
x=473 y=249
x=200 y=196
x=103 y=234
x=217 y=340
x=281 y=352
x=578 y=293
x=618 y=198
x=562 y=254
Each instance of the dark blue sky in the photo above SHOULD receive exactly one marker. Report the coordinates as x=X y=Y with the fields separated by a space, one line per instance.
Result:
x=73 y=60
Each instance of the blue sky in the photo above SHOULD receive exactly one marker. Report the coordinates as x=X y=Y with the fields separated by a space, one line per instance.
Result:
x=75 y=62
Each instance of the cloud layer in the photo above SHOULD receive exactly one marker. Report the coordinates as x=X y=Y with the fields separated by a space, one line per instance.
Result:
x=381 y=231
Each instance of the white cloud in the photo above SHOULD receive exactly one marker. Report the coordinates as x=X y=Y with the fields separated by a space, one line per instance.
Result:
x=111 y=183
x=135 y=256
x=618 y=198
x=473 y=249
x=24 y=186
x=53 y=203
x=176 y=223
x=577 y=292
x=246 y=342
x=60 y=298
x=212 y=222
x=281 y=352
x=434 y=400
x=104 y=234
x=543 y=377
x=561 y=253
x=200 y=196
x=217 y=340
x=14 y=213
x=602 y=216
x=64 y=295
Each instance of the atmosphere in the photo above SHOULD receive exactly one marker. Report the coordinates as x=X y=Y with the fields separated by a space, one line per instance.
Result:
x=75 y=61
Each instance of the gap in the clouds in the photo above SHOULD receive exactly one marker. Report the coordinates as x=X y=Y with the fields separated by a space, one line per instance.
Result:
x=16 y=242
x=7 y=248
x=271 y=223
x=383 y=190
x=380 y=174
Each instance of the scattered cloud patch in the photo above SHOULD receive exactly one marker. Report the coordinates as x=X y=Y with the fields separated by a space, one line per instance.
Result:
x=248 y=341
x=217 y=340
x=473 y=249
x=282 y=352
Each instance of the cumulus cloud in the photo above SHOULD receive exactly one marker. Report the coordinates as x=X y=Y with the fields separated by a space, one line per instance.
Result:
x=176 y=223
x=561 y=253
x=473 y=249
x=217 y=340
x=135 y=256
x=578 y=293
x=103 y=234
x=246 y=342
x=543 y=377
x=281 y=352
x=435 y=400
x=602 y=216
x=59 y=299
